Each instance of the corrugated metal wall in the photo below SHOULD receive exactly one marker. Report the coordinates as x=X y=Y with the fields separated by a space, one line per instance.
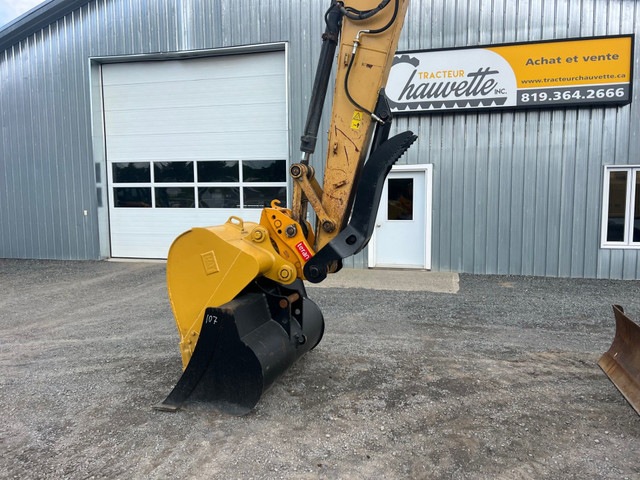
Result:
x=521 y=193
x=513 y=192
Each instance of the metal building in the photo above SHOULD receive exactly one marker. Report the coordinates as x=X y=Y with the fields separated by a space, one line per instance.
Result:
x=110 y=108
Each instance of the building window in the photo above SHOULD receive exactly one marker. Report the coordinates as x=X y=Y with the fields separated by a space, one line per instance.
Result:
x=199 y=184
x=400 y=199
x=621 y=207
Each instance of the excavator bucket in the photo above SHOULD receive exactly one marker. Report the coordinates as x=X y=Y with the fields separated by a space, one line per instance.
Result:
x=621 y=362
x=245 y=345
x=242 y=316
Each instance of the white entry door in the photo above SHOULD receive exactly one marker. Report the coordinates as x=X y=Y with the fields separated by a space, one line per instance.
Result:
x=402 y=237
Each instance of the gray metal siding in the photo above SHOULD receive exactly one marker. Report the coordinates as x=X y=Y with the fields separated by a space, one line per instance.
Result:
x=521 y=192
x=516 y=192
x=47 y=170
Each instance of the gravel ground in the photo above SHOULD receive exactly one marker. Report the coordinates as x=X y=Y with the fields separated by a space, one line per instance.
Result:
x=496 y=381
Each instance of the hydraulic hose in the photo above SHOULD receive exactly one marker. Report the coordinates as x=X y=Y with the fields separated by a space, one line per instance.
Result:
x=356 y=44
x=354 y=14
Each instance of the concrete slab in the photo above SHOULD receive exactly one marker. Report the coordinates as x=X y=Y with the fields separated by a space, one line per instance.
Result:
x=388 y=279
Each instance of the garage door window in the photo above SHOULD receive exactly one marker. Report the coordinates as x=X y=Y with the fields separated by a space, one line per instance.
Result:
x=218 y=171
x=133 y=185
x=264 y=171
x=200 y=184
x=132 y=197
x=219 y=197
x=134 y=172
x=168 y=172
x=175 y=197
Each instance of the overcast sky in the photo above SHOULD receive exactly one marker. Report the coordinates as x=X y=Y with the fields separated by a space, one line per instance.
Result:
x=11 y=9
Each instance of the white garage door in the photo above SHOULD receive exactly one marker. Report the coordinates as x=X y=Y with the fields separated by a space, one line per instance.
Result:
x=190 y=143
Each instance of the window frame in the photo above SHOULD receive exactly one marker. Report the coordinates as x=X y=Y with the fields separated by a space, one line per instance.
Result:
x=628 y=243
x=196 y=183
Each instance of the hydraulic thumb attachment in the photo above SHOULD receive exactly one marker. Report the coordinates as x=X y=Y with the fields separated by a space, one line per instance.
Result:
x=357 y=233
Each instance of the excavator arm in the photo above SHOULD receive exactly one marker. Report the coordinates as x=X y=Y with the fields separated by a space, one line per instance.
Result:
x=236 y=289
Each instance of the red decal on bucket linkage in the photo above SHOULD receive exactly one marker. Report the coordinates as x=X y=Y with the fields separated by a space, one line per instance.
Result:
x=304 y=251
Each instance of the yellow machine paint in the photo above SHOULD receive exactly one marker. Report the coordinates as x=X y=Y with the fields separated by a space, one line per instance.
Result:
x=208 y=267
x=288 y=237
x=236 y=292
x=351 y=129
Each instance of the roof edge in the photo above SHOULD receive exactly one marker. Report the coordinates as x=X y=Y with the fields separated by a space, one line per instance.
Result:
x=35 y=19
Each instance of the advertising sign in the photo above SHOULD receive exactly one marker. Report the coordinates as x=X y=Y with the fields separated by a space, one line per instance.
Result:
x=563 y=73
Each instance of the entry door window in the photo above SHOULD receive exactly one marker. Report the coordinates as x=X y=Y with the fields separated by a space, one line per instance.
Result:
x=199 y=184
x=400 y=199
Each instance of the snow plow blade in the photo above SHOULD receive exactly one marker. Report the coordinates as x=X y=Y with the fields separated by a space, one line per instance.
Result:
x=621 y=362
x=244 y=346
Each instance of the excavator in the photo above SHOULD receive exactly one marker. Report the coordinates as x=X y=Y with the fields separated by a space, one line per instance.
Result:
x=236 y=290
